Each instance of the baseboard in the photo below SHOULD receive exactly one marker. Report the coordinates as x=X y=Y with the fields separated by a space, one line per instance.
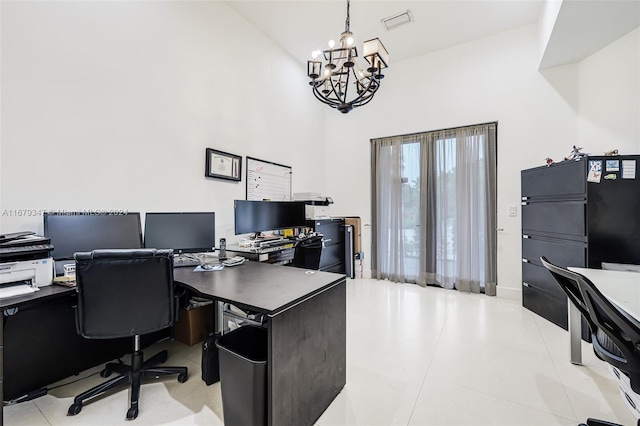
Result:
x=509 y=292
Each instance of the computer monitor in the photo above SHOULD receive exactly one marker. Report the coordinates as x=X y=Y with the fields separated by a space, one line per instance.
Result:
x=260 y=216
x=182 y=232
x=76 y=232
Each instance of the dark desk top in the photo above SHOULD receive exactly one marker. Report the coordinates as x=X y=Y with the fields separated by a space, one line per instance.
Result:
x=46 y=292
x=260 y=287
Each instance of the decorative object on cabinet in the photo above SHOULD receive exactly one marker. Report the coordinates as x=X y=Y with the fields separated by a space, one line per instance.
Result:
x=576 y=155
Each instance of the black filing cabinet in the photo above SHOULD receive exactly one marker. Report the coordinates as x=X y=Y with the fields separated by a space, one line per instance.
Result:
x=334 y=249
x=575 y=222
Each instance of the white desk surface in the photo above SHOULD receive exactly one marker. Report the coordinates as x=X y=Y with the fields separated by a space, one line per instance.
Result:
x=621 y=287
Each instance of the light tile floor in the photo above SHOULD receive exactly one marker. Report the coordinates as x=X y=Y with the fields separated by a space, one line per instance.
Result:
x=415 y=356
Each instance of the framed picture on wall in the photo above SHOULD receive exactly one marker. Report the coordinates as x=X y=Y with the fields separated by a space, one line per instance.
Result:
x=223 y=165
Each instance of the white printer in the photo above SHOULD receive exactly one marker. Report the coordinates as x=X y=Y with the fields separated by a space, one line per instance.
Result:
x=317 y=206
x=25 y=263
x=38 y=272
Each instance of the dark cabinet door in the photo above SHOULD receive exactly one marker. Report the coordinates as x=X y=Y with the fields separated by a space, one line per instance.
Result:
x=538 y=301
x=559 y=252
x=540 y=278
x=557 y=180
x=332 y=255
x=559 y=218
x=332 y=258
x=331 y=229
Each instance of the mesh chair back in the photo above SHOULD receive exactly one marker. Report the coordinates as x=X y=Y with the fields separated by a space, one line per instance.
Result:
x=124 y=292
x=618 y=327
x=568 y=281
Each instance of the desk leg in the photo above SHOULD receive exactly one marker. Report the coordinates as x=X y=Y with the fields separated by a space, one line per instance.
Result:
x=219 y=317
x=307 y=358
x=575 y=334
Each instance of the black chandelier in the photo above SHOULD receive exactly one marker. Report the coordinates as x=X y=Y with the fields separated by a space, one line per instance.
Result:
x=341 y=72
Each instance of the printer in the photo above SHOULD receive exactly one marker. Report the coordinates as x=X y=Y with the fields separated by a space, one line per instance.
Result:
x=25 y=259
x=317 y=206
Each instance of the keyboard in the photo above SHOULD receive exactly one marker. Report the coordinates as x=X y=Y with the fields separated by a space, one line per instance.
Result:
x=180 y=262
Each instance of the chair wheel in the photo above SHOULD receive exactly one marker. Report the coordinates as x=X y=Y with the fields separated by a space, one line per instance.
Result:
x=132 y=413
x=74 y=409
x=105 y=373
x=182 y=377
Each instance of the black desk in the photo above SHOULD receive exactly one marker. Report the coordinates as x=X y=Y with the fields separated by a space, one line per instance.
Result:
x=41 y=345
x=306 y=311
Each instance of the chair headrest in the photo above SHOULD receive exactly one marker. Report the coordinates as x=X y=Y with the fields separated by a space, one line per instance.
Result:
x=122 y=254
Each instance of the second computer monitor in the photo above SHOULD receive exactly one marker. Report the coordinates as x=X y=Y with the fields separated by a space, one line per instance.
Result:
x=182 y=232
x=261 y=216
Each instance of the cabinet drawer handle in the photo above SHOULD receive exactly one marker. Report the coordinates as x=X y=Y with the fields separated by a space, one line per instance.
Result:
x=525 y=260
x=524 y=204
x=524 y=284
x=525 y=236
x=525 y=198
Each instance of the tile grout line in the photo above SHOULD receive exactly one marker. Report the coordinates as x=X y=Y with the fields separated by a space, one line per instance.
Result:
x=555 y=368
x=429 y=366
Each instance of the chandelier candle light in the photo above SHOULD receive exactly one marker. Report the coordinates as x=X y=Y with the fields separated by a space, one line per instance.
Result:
x=341 y=72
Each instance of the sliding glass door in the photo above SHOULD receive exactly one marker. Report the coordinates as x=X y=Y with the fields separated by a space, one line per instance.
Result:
x=410 y=184
x=434 y=203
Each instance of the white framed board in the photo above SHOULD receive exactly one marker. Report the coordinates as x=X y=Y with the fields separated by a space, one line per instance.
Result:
x=268 y=181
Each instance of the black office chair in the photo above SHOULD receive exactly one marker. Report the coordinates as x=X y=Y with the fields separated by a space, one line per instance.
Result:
x=125 y=293
x=571 y=283
x=617 y=340
x=308 y=252
x=568 y=281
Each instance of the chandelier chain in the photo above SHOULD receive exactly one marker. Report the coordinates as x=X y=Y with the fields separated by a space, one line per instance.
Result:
x=347 y=23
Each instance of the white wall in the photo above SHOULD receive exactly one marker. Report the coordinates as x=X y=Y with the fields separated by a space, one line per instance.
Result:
x=110 y=105
x=491 y=79
x=609 y=97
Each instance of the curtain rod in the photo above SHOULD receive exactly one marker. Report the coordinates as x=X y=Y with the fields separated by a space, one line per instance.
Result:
x=433 y=131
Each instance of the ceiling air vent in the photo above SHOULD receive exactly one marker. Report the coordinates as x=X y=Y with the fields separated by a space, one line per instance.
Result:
x=397 y=20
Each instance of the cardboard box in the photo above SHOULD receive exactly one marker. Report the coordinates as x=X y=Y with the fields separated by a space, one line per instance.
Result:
x=194 y=325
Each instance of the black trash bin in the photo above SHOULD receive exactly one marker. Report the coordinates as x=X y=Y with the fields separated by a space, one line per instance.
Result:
x=307 y=253
x=243 y=376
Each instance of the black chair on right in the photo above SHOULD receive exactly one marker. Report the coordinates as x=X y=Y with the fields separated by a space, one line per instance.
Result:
x=617 y=336
x=568 y=281
x=607 y=339
x=308 y=252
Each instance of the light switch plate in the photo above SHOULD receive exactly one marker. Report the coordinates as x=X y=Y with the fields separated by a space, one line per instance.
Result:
x=513 y=211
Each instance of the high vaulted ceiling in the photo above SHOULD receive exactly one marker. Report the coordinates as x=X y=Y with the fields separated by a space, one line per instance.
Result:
x=301 y=26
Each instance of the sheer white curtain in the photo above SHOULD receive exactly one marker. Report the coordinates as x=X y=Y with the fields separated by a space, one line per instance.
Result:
x=476 y=207
x=388 y=222
x=457 y=209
